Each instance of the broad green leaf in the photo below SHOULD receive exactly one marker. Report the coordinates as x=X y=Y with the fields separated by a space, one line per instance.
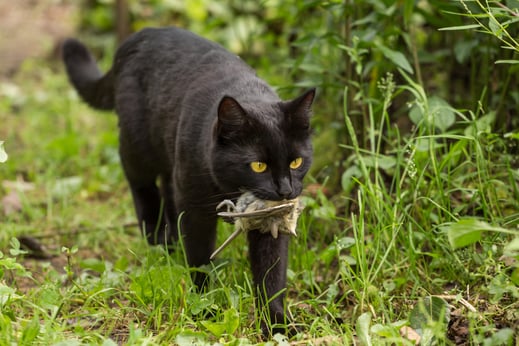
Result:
x=463 y=49
x=331 y=252
x=314 y=68
x=94 y=264
x=385 y=331
x=362 y=327
x=189 y=338
x=231 y=320
x=347 y=180
x=463 y=233
x=503 y=336
x=440 y=113
x=512 y=249
x=514 y=277
x=345 y=242
x=50 y=298
x=416 y=114
x=495 y=27
x=468 y=231
x=16 y=249
x=384 y=162
x=198 y=303
x=215 y=328
x=230 y=323
x=351 y=261
x=513 y=4
x=6 y=294
x=428 y=311
x=3 y=154
x=424 y=144
x=10 y=263
x=482 y=124
x=397 y=58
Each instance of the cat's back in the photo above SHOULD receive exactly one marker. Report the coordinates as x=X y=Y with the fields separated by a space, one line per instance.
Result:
x=168 y=39
x=171 y=47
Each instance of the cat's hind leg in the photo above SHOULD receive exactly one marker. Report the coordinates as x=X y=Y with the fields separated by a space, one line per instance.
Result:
x=199 y=236
x=148 y=206
x=140 y=162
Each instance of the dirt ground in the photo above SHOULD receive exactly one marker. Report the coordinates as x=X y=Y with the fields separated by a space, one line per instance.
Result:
x=32 y=28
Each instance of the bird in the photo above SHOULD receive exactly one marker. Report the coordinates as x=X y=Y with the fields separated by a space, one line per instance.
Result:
x=252 y=213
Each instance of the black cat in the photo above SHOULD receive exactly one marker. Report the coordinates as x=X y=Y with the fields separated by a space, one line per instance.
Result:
x=197 y=117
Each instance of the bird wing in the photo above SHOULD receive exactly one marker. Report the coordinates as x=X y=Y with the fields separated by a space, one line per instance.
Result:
x=269 y=211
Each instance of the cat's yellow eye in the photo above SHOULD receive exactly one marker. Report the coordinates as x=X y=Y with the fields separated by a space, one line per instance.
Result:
x=296 y=163
x=258 y=166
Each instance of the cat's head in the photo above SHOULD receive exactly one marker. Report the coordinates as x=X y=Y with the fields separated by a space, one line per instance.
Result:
x=263 y=147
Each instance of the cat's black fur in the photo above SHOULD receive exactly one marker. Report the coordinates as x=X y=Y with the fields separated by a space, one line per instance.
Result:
x=195 y=116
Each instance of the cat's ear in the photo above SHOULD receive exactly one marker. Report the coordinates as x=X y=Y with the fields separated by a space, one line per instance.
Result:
x=299 y=110
x=231 y=117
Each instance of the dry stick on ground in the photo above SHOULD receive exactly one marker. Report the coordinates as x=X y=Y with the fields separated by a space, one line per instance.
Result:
x=458 y=299
x=37 y=250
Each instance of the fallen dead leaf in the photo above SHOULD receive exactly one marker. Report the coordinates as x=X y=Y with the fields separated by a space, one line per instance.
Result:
x=410 y=334
x=11 y=203
x=18 y=185
x=508 y=260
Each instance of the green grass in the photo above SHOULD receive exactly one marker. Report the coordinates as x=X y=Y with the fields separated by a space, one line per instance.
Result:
x=366 y=263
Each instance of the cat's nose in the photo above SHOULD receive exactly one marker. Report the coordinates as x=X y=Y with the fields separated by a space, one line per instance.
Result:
x=284 y=188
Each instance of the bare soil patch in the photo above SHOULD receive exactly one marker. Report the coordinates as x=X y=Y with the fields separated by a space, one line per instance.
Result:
x=32 y=28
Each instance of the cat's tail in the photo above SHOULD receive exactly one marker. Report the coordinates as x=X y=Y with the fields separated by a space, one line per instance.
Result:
x=94 y=88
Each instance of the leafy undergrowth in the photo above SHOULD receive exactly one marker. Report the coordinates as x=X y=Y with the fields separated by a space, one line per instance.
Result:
x=420 y=244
